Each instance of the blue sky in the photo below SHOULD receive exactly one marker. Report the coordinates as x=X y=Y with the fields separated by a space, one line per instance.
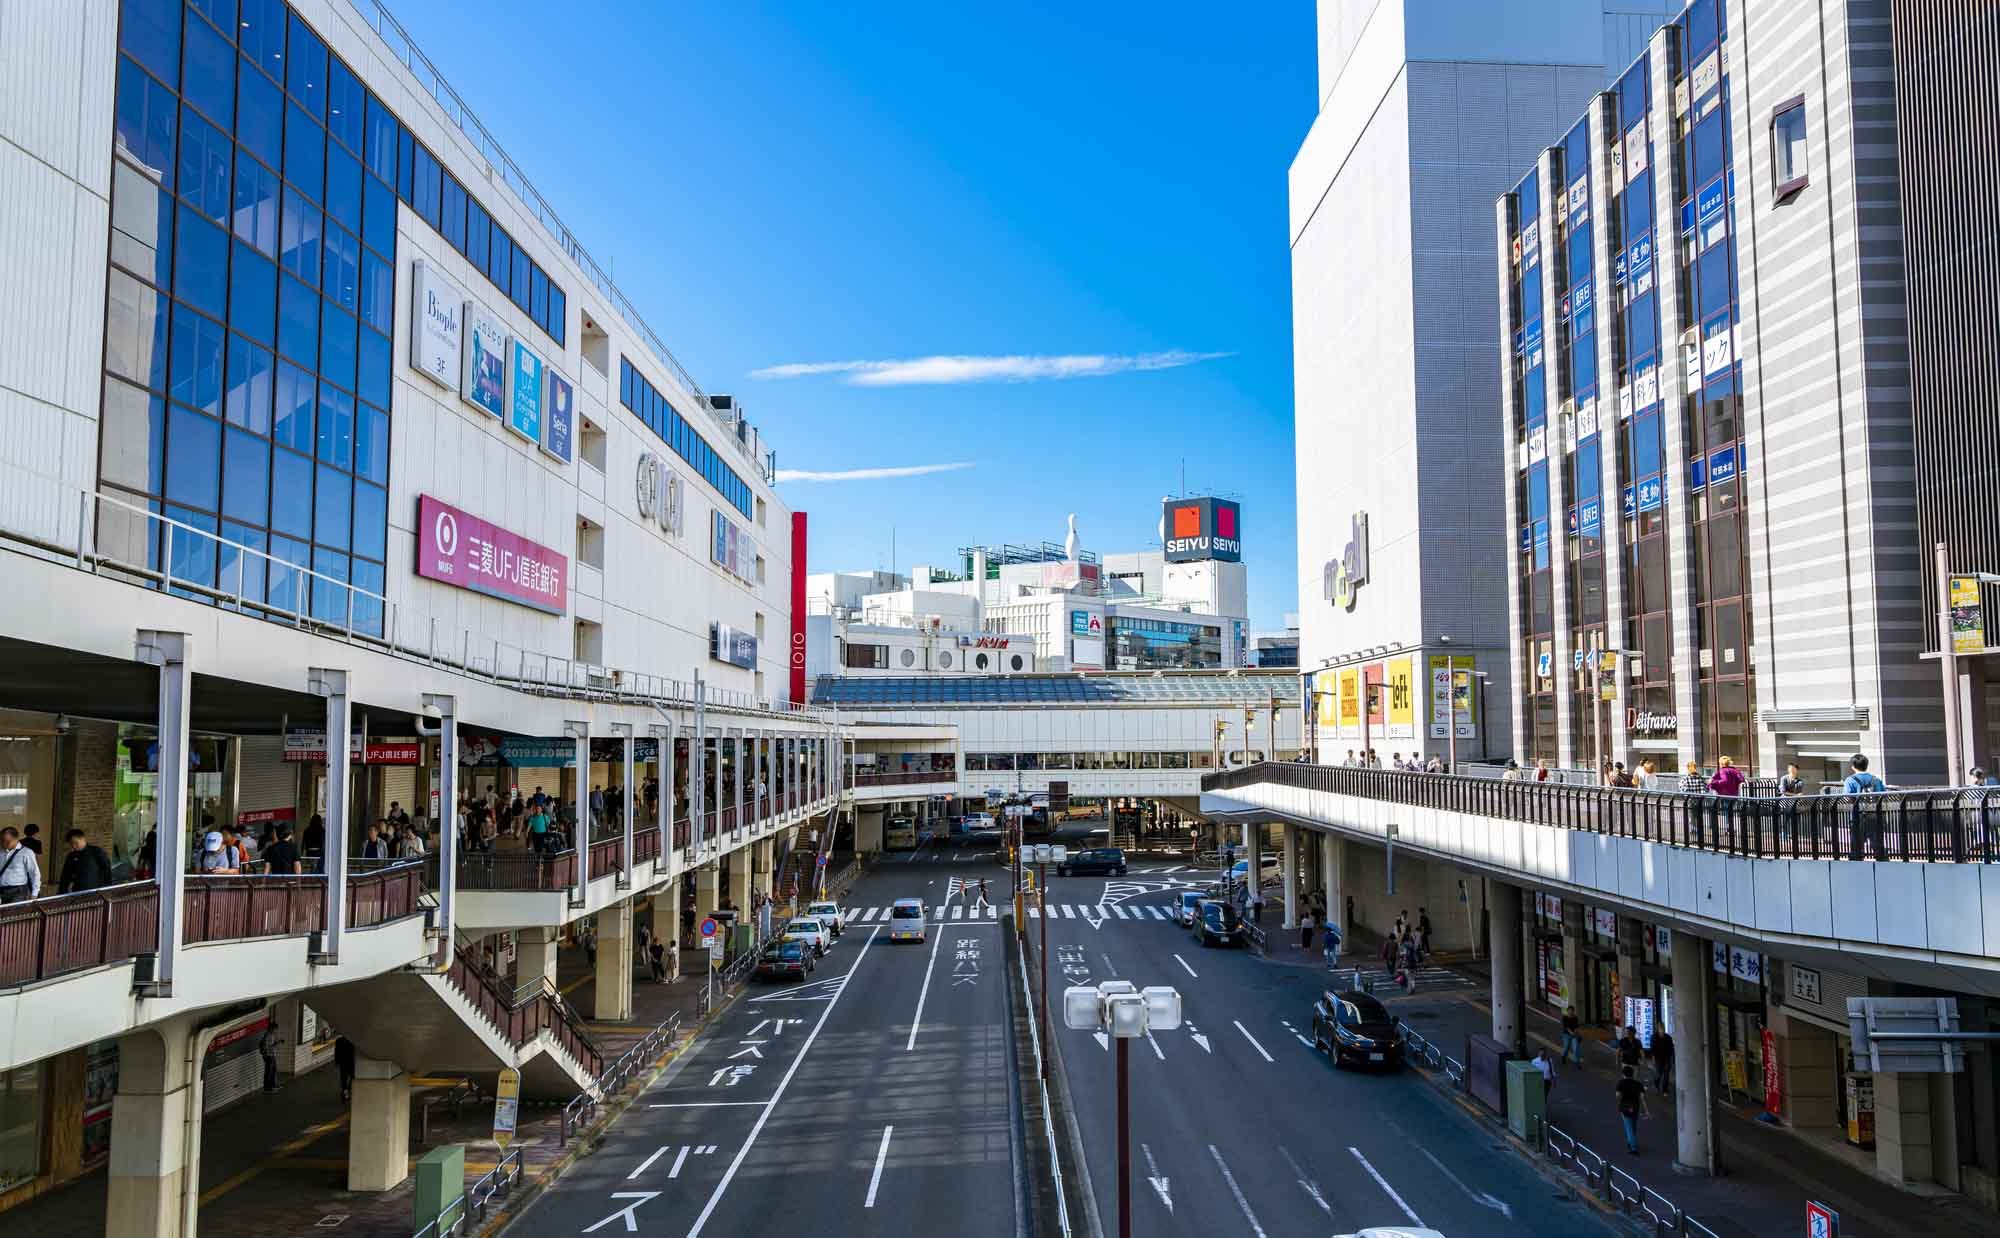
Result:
x=809 y=184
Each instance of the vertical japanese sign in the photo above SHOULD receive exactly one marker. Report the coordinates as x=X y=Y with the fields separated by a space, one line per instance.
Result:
x=1452 y=699
x=1968 y=618
x=506 y=1106
x=1774 y=1099
x=1350 y=702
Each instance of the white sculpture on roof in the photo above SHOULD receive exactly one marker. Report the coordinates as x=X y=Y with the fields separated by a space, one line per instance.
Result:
x=1069 y=543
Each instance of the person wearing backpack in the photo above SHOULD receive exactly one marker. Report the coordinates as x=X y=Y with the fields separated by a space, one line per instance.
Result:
x=1863 y=825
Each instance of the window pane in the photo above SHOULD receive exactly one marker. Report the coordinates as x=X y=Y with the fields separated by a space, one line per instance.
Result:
x=191 y=556
x=378 y=217
x=135 y=437
x=427 y=187
x=151 y=31
x=343 y=266
x=194 y=450
x=195 y=377
x=343 y=188
x=377 y=298
x=298 y=322
x=260 y=114
x=294 y=400
x=336 y=427
x=144 y=125
x=336 y=346
x=300 y=245
x=520 y=288
x=201 y=277
x=500 y=262
x=305 y=153
x=329 y=600
x=346 y=105
x=371 y=444
x=241 y=572
x=142 y=224
x=373 y=380
x=382 y=129
x=254 y=217
x=367 y=579
x=286 y=589
x=253 y=295
x=204 y=174
x=208 y=74
x=305 y=68
x=291 y=493
x=220 y=13
x=260 y=32
x=406 y=151
x=135 y=331
x=332 y=507
x=454 y=213
x=558 y=315
x=538 y=295
x=246 y=476
x=478 y=234
x=247 y=402
x=371 y=520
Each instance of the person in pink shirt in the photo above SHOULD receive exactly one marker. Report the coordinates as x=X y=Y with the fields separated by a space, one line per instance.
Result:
x=1727 y=779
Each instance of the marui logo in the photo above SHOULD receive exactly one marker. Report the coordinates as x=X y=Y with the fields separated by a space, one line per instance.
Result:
x=447 y=536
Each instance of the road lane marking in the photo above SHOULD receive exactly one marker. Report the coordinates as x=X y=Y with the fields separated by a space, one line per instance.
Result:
x=924 y=993
x=1156 y=1047
x=1235 y=1190
x=771 y=1105
x=679 y=1160
x=1118 y=909
x=657 y=1154
x=1159 y=1181
x=1253 y=1041
x=1306 y=1184
x=881 y=1155
x=1184 y=966
x=704 y=1104
x=629 y=1213
x=1481 y=1198
x=1387 y=1189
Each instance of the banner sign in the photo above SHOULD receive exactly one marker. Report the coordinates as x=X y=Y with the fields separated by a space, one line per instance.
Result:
x=483 y=381
x=459 y=549
x=559 y=417
x=524 y=391
x=437 y=325
x=1968 y=616
x=308 y=744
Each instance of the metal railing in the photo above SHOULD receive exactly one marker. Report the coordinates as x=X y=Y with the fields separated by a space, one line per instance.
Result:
x=478 y=1199
x=452 y=1098
x=48 y=937
x=1933 y=825
x=1427 y=1052
x=1625 y=1193
x=582 y=1108
x=856 y=778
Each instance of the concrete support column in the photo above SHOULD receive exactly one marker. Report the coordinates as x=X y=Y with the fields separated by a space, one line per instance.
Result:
x=447 y=823
x=1253 y=851
x=1330 y=873
x=155 y=1132
x=579 y=734
x=169 y=651
x=332 y=686
x=1573 y=938
x=535 y=955
x=1694 y=1051
x=1503 y=909
x=707 y=889
x=667 y=924
x=1288 y=862
x=378 y=1127
x=612 y=992
x=628 y=805
x=664 y=805
x=739 y=883
x=1809 y=1072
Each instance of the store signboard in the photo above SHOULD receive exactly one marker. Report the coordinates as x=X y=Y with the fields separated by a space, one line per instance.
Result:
x=457 y=548
x=732 y=645
x=559 y=417
x=1638 y=1015
x=506 y=1106
x=1968 y=615
x=309 y=744
x=437 y=325
x=1402 y=700
x=524 y=391
x=482 y=381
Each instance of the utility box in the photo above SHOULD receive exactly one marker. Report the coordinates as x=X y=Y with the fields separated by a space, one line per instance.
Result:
x=1527 y=1100
x=440 y=1185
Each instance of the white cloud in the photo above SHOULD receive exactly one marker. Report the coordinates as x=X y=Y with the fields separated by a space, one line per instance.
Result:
x=939 y=370
x=907 y=470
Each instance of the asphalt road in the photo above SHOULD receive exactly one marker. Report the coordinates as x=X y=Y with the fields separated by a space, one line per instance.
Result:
x=873 y=1096
x=1238 y=1126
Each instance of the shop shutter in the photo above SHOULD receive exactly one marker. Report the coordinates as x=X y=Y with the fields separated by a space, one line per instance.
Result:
x=265 y=781
x=399 y=786
x=232 y=1068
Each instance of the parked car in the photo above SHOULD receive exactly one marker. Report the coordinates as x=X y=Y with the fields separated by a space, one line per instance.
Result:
x=1190 y=907
x=1217 y=923
x=1267 y=868
x=906 y=920
x=830 y=915
x=1352 y=1028
x=788 y=959
x=809 y=930
x=1107 y=861
x=1392 y=1231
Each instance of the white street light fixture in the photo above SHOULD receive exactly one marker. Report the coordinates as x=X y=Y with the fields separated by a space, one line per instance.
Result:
x=1127 y=1012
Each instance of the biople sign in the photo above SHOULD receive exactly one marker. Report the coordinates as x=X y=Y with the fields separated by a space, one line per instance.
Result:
x=1197 y=529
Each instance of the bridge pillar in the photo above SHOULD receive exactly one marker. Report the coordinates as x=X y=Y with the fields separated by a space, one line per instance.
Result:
x=155 y=1134
x=378 y=1127
x=1288 y=871
x=535 y=955
x=707 y=889
x=739 y=883
x=611 y=994
x=1331 y=857
x=1503 y=906
x=1694 y=1015
x=667 y=924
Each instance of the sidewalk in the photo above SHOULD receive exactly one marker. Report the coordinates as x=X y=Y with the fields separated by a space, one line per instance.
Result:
x=1771 y=1173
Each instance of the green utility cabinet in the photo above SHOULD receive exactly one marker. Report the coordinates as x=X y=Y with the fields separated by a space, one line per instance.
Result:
x=440 y=1185
x=1527 y=1100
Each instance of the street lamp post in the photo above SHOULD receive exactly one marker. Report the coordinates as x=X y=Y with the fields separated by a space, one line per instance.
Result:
x=1042 y=854
x=1127 y=1013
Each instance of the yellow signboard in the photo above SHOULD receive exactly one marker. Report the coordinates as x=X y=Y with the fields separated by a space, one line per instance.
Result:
x=1328 y=691
x=1968 y=619
x=506 y=1106
x=1350 y=702
x=1402 y=699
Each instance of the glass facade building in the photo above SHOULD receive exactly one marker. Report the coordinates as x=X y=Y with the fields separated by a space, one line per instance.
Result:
x=1160 y=644
x=251 y=301
x=1625 y=412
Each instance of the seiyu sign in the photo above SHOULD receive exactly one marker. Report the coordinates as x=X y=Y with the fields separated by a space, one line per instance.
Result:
x=661 y=495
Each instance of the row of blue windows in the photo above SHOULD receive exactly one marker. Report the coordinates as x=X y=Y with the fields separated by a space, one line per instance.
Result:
x=647 y=404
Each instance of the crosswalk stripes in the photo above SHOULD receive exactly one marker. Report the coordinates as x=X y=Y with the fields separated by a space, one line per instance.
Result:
x=1057 y=911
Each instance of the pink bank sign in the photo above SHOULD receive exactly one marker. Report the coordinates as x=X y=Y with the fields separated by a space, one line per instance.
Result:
x=457 y=548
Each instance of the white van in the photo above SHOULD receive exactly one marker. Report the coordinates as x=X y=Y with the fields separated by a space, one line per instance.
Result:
x=906 y=920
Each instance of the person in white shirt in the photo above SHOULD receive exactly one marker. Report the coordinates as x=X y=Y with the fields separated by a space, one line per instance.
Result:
x=20 y=875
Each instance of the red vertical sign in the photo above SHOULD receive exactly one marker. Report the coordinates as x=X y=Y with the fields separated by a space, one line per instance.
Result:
x=798 y=664
x=1774 y=1098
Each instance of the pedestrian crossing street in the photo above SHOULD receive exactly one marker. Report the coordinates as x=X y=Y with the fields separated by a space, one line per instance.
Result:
x=942 y=913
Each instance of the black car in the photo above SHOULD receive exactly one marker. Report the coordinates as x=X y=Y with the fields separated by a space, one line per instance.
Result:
x=786 y=958
x=1107 y=861
x=1353 y=1028
x=1217 y=924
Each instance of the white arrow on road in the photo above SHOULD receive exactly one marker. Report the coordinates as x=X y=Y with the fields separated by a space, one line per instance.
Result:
x=1103 y=1041
x=1481 y=1198
x=1153 y=1176
x=1199 y=1038
x=628 y=1212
